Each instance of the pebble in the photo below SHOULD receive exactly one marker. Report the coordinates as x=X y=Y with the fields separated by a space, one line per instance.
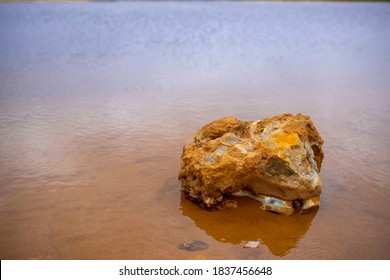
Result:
x=193 y=245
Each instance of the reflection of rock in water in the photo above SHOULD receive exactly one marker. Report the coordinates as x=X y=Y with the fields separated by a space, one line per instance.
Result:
x=248 y=223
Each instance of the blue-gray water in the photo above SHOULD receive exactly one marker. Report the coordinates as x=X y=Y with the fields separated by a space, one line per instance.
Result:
x=97 y=99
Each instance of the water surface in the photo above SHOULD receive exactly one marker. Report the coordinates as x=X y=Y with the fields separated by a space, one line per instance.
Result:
x=97 y=100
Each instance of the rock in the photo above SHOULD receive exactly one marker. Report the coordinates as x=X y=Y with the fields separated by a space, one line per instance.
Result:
x=275 y=160
x=193 y=245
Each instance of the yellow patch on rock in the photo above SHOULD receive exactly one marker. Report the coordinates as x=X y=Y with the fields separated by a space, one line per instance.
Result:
x=283 y=142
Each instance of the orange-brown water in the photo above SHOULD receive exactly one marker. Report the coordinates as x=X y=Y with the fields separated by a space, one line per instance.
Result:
x=96 y=101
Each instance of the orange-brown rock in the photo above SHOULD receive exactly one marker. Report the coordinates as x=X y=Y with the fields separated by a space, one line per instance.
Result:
x=275 y=160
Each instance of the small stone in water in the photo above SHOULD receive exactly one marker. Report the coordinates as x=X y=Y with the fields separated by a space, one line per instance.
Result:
x=193 y=245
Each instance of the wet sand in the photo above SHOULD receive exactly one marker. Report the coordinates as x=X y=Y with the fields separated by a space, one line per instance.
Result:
x=97 y=100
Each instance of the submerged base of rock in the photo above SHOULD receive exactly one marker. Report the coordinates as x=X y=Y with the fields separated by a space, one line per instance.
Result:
x=275 y=161
x=284 y=207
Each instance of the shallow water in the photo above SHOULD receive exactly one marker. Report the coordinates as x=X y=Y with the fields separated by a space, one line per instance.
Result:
x=97 y=99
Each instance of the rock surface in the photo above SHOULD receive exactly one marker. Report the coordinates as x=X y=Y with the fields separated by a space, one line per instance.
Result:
x=274 y=160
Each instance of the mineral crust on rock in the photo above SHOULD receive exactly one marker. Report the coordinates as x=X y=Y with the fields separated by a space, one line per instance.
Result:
x=274 y=160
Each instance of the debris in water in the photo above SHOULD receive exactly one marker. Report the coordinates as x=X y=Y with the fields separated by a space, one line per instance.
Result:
x=252 y=244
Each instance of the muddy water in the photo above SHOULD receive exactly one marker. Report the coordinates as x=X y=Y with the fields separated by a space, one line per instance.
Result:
x=96 y=101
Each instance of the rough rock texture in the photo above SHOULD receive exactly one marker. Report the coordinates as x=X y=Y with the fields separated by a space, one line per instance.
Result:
x=275 y=160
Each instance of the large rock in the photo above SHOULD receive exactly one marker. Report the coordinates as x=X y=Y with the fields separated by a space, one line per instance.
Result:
x=275 y=160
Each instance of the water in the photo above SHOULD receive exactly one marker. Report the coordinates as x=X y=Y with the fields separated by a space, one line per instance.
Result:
x=97 y=100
